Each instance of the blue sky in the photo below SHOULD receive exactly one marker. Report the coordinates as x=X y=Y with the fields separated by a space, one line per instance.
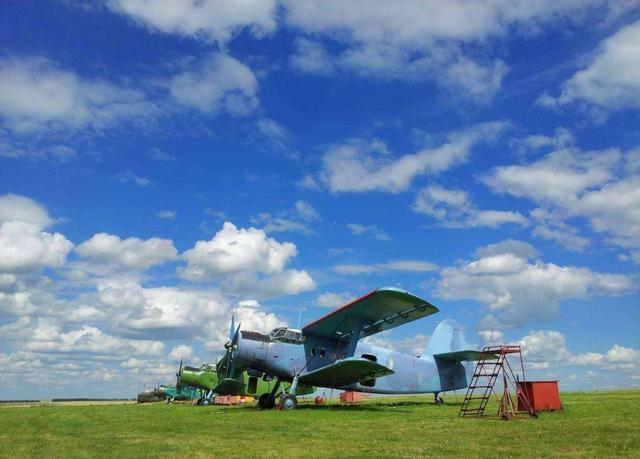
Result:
x=164 y=165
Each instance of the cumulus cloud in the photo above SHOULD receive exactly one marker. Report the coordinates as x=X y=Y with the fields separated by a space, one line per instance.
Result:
x=570 y=183
x=445 y=42
x=612 y=78
x=24 y=245
x=91 y=340
x=246 y=260
x=217 y=82
x=371 y=231
x=207 y=19
x=14 y=207
x=130 y=253
x=359 y=166
x=180 y=352
x=36 y=94
x=519 y=290
x=453 y=209
x=546 y=349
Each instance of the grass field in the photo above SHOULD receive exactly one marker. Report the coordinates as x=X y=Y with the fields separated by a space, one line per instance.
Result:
x=603 y=424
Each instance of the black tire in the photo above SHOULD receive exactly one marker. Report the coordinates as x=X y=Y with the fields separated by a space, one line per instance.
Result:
x=288 y=401
x=205 y=402
x=439 y=401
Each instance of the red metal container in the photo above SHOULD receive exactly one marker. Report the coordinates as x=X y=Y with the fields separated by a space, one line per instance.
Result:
x=351 y=397
x=543 y=395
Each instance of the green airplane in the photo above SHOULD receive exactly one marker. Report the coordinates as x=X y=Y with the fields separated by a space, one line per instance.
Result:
x=216 y=379
x=170 y=394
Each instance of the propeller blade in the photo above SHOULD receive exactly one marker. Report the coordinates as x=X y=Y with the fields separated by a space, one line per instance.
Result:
x=233 y=327
x=234 y=338
x=178 y=374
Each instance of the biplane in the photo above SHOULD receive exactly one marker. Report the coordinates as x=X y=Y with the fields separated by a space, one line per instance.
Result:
x=330 y=352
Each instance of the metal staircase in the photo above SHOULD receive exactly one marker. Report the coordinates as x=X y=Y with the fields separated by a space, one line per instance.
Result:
x=492 y=364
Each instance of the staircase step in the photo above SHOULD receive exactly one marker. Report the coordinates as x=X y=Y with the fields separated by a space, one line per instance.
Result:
x=475 y=375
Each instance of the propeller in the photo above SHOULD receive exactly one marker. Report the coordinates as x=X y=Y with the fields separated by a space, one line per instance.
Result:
x=234 y=334
x=178 y=374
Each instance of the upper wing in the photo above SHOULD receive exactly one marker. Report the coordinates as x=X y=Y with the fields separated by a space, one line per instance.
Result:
x=344 y=372
x=377 y=311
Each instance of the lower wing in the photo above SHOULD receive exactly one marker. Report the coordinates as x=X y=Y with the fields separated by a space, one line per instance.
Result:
x=344 y=372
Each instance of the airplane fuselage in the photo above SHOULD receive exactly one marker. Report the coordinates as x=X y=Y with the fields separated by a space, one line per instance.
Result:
x=412 y=375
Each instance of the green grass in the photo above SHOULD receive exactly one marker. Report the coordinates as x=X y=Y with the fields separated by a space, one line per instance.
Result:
x=602 y=424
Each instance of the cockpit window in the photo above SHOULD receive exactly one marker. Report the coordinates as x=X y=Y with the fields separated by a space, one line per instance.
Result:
x=286 y=335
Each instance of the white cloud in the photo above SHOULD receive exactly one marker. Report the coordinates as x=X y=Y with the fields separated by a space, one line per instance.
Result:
x=166 y=214
x=545 y=349
x=551 y=227
x=519 y=291
x=277 y=135
x=453 y=209
x=558 y=178
x=91 y=340
x=612 y=78
x=180 y=352
x=217 y=82
x=128 y=176
x=333 y=299
x=130 y=253
x=217 y=20
x=360 y=166
x=442 y=41
x=234 y=250
x=570 y=183
x=371 y=231
x=35 y=94
x=14 y=207
x=246 y=261
x=561 y=138
x=296 y=219
x=415 y=266
x=24 y=246
x=510 y=246
x=160 y=155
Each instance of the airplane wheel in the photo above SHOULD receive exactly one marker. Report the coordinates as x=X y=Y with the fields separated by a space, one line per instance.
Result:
x=264 y=402
x=205 y=402
x=288 y=401
x=439 y=401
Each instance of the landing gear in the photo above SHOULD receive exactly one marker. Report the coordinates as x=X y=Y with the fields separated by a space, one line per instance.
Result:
x=437 y=399
x=266 y=401
x=205 y=401
x=288 y=401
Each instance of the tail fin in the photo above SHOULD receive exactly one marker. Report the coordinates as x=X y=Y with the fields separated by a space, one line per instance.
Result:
x=447 y=337
x=452 y=352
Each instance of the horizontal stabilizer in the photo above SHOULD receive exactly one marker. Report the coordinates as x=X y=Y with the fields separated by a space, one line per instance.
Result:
x=229 y=386
x=344 y=372
x=460 y=356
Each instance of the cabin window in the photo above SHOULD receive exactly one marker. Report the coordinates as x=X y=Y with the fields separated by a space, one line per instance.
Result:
x=371 y=357
x=313 y=351
x=252 y=387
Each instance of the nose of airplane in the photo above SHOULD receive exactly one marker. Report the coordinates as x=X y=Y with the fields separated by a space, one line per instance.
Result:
x=252 y=348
